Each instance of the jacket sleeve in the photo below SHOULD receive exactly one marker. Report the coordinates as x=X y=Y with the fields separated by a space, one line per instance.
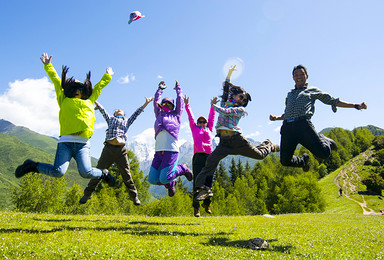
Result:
x=230 y=111
x=211 y=118
x=103 y=111
x=179 y=101
x=99 y=86
x=52 y=74
x=190 y=116
x=156 y=100
x=134 y=116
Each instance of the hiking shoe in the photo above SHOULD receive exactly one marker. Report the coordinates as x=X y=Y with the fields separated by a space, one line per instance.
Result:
x=331 y=142
x=306 y=162
x=26 y=167
x=196 y=212
x=202 y=193
x=109 y=178
x=84 y=199
x=171 y=188
x=136 y=201
x=207 y=208
x=187 y=172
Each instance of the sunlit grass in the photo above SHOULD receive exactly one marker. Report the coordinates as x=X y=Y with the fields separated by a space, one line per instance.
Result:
x=325 y=236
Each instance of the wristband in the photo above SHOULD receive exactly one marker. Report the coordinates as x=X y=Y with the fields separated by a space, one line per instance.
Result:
x=357 y=106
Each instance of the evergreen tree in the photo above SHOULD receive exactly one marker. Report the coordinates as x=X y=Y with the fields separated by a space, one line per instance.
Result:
x=233 y=171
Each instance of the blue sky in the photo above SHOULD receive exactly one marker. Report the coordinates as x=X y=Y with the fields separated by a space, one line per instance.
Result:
x=340 y=42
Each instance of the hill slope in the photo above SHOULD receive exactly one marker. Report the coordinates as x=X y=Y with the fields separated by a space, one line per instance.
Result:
x=354 y=199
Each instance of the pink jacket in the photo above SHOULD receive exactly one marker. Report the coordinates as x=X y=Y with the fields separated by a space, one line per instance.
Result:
x=202 y=138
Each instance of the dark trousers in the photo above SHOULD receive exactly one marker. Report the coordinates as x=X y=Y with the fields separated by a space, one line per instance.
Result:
x=114 y=154
x=198 y=163
x=232 y=145
x=301 y=132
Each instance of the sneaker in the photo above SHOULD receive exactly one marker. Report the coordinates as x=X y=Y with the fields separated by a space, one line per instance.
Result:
x=207 y=208
x=84 y=199
x=332 y=143
x=136 y=201
x=187 y=172
x=202 y=193
x=108 y=178
x=306 y=162
x=26 y=167
x=171 y=188
x=196 y=212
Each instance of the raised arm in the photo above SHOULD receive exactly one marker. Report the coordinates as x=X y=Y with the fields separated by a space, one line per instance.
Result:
x=53 y=76
x=191 y=118
x=179 y=99
x=229 y=75
x=103 y=112
x=211 y=116
x=156 y=99
x=107 y=77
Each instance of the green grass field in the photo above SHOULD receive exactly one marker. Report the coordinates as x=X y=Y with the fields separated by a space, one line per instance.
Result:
x=320 y=236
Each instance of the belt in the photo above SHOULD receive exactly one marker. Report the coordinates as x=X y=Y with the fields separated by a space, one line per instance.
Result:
x=293 y=119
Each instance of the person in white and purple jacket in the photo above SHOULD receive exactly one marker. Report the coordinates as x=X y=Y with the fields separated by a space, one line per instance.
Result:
x=165 y=168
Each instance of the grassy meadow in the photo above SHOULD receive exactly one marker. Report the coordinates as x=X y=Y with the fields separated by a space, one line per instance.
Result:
x=320 y=236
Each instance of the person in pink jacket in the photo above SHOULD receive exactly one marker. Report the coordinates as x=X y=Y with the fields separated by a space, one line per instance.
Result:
x=202 y=148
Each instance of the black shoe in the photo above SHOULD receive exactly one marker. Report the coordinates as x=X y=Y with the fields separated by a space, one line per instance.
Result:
x=202 y=193
x=26 y=167
x=84 y=199
x=207 y=208
x=136 y=201
x=306 y=162
x=196 y=212
x=108 y=178
x=332 y=143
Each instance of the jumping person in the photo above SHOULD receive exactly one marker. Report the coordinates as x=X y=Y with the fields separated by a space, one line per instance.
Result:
x=115 y=151
x=202 y=148
x=165 y=168
x=232 y=109
x=76 y=118
x=297 y=127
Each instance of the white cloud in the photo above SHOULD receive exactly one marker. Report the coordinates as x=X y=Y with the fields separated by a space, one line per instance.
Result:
x=100 y=125
x=277 y=129
x=126 y=79
x=159 y=77
x=31 y=103
x=252 y=135
x=146 y=137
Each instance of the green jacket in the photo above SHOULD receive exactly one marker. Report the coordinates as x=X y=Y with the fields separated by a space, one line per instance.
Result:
x=76 y=116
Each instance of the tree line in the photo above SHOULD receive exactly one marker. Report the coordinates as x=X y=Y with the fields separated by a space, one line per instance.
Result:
x=266 y=187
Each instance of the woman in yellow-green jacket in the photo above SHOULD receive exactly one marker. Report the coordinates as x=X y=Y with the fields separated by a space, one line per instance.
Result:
x=76 y=118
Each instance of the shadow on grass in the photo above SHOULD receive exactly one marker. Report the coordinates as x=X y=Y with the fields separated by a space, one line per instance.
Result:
x=223 y=241
x=161 y=224
x=174 y=233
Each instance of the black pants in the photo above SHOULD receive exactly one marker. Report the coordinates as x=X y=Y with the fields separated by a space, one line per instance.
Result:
x=232 y=145
x=301 y=132
x=198 y=163
x=114 y=154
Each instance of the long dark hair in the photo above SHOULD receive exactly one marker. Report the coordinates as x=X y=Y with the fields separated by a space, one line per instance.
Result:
x=70 y=85
x=229 y=89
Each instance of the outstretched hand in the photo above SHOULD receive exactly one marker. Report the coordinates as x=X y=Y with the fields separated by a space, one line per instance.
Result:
x=97 y=105
x=362 y=106
x=176 y=84
x=272 y=117
x=110 y=71
x=214 y=101
x=186 y=100
x=232 y=68
x=44 y=58
x=147 y=101
x=162 y=85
